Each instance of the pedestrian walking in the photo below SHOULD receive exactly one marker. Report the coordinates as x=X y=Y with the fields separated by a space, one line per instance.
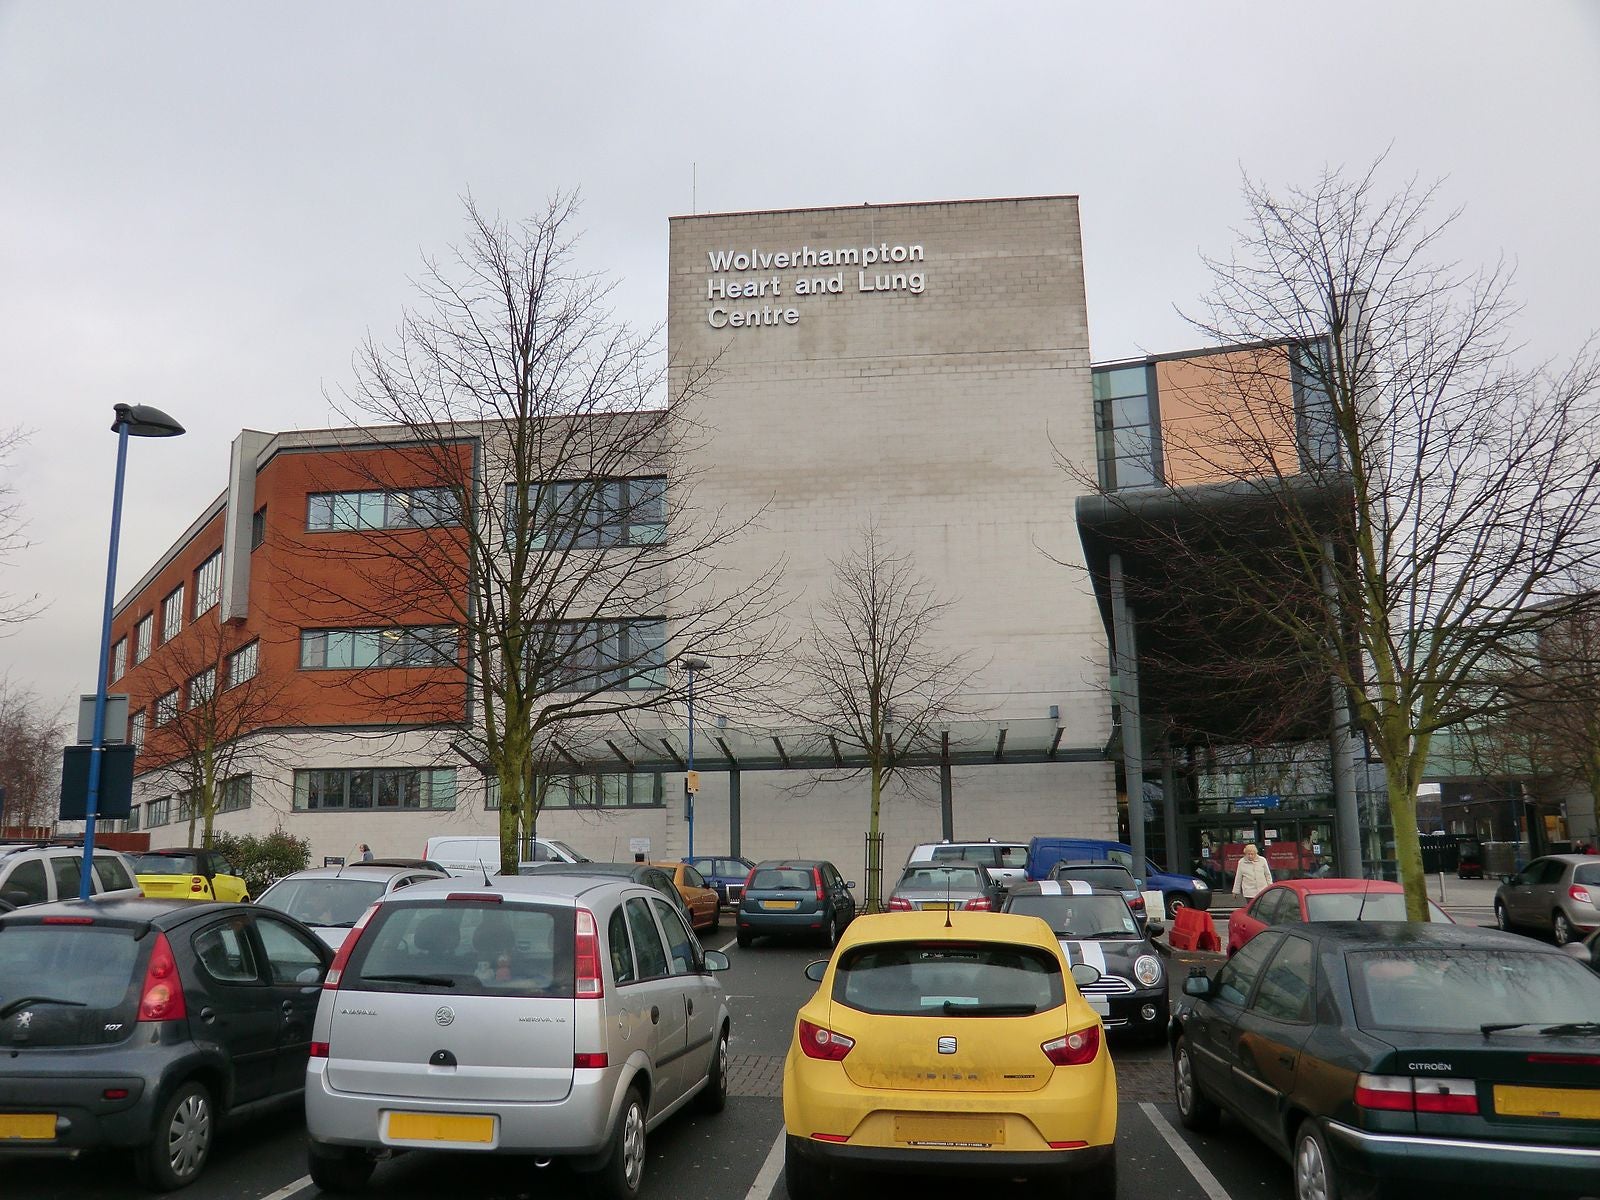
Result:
x=1252 y=874
x=365 y=851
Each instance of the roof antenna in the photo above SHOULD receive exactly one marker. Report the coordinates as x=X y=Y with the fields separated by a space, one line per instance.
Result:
x=947 y=900
x=484 y=867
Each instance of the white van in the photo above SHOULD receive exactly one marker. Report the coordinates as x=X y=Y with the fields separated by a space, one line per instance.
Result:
x=474 y=855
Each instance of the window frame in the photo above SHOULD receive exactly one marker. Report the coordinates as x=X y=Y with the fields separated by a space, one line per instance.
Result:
x=144 y=637
x=172 y=614
x=396 y=643
x=119 y=658
x=251 y=648
x=208 y=591
x=165 y=709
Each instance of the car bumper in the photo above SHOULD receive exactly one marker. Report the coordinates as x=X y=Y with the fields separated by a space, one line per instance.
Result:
x=761 y=921
x=84 y=1118
x=1127 y=1011
x=1386 y=1164
x=955 y=1162
x=578 y=1124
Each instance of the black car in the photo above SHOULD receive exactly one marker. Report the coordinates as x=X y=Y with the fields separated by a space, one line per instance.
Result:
x=1095 y=925
x=796 y=897
x=143 y=1024
x=1105 y=875
x=1381 y=1058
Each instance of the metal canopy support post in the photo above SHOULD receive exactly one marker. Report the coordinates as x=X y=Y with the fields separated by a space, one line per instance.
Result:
x=1342 y=749
x=1128 y=694
x=1177 y=854
x=733 y=812
x=947 y=804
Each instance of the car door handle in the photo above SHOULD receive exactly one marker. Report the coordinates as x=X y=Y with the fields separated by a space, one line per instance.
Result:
x=1286 y=1059
x=208 y=1015
x=288 y=1008
x=655 y=1015
x=690 y=1000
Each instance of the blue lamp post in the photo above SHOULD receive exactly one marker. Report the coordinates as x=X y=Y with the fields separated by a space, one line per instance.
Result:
x=132 y=420
x=691 y=665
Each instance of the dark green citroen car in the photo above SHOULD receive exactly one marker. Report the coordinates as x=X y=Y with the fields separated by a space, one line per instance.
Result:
x=1379 y=1057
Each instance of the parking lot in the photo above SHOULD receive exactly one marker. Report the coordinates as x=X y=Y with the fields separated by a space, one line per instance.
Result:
x=734 y=1156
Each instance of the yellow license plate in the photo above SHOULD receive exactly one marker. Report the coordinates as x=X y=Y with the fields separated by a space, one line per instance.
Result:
x=1580 y=1103
x=936 y=904
x=953 y=1130
x=780 y=904
x=27 y=1127
x=440 y=1127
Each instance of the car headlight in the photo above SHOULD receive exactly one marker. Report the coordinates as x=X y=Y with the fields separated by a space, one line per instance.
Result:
x=1147 y=970
x=1200 y=885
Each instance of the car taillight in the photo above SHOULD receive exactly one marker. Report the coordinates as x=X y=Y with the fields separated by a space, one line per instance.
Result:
x=1074 y=1049
x=978 y=903
x=816 y=874
x=336 y=972
x=1403 y=1093
x=161 y=996
x=586 y=958
x=1579 y=893
x=319 y=1049
x=197 y=883
x=899 y=904
x=1137 y=902
x=67 y=921
x=818 y=1042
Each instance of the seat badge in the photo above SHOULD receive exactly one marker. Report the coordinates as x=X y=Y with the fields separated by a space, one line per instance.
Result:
x=947 y=1045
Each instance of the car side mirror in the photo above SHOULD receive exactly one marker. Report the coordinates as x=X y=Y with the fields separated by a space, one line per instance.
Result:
x=716 y=960
x=1197 y=984
x=850 y=884
x=815 y=971
x=309 y=977
x=1083 y=974
x=1579 y=951
x=1155 y=928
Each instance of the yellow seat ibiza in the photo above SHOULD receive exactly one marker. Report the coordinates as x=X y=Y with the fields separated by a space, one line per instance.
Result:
x=949 y=1042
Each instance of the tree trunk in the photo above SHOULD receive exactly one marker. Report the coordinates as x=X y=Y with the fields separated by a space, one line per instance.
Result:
x=1407 y=843
x=511 y=802
x=875 y=877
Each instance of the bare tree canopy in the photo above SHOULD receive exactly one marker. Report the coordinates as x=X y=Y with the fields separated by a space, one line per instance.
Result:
x=547 y=543
x=1377 y=487
x=31 y=737
x=874 y=673
x=14 y=609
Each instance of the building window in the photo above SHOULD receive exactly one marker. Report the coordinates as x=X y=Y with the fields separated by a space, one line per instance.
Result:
x=172 y=614
x=143 y=634
x=369 y=789
x=401 y=508
x=258 y=527
x=594 y=513
x=620 y=790
x=158 y=812
x=600 y=655
x=202 y=687
x=132 y=824
x=185 y=805
x=242 y=664
x=358 y=649
x=234 y=794
x=208 y=584
x=1316 y=428
x=136 y=726
x=166 y=707
x=1124 y=432
x=119 y=659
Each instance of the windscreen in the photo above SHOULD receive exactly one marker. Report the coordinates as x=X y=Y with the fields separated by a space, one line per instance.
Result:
x=1586 y=873
x=572 y=854
x=938 y=878
x=324 y=902
x=1079 y=916
x=944 y=979
x=1375 y=906
x=1111 y=877
x=166 y=864
x=465 y=948
x=80 y=979
x=778 y=878
x=1460 y=991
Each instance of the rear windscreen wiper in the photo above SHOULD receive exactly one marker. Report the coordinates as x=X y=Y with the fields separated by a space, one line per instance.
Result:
x=1497 y=1026
x=435 y=980
x=1573 y=1028
x=990 y=1010
x=23 y=1002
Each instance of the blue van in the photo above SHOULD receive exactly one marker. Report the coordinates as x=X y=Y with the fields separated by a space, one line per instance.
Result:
x=1180 y=891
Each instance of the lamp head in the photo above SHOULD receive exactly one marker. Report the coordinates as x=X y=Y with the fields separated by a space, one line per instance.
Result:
x=142 y=420
x=692 y=664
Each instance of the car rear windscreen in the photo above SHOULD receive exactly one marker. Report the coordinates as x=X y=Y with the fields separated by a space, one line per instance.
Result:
x=1079 y=916
x=465 y=949
x=1460 y=991
x=336 y=902
x=166 y=864
x=1112 y=877
x=1375 y=906
x=62 y=985
x=778 y=878
x=944 y=979
x=1586 y=873
x=952 y=876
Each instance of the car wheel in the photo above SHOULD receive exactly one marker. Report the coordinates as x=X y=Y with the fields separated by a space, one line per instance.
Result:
x=830 y=932
x=1561 y=927
x=713 y=1098
x=623 y=1172
x=339 y=1169
x=802 y=1178
x=1314 y=1177
x=745 y=939
x=716 y=918
x=1195 y=1109
x=1501 y=920
x=182 y=1142
x=1176 y=901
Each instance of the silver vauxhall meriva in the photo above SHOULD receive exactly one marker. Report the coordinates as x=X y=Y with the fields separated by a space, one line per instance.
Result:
x=561 y=1015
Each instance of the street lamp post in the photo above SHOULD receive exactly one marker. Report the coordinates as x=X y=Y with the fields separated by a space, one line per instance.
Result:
x=691 y=665
x=132 y=420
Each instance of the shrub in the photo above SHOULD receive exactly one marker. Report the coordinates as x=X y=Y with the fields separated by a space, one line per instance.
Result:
x=262 y=860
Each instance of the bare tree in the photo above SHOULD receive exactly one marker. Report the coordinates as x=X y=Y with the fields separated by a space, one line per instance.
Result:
x=542 y=536
x=14 y=609
x=31 y=737
x=1389 y=494
x=874 y=675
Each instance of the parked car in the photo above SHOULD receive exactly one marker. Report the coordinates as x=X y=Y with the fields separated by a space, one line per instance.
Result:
x=1179 y=891
x=1560 y=893
x=552 y=1015
x=645 y=873
x=1587 y=951
x=189 y=873
x=466 y=856
x=330 y=900
x=1392 y=1058
x=1297 y=900
x=726 y=874
x=804 y=897
x=143 y=1024
x=1095 y=926
x=1007 y=862
x=1106 y=875
x=949 y=1040
x=37 y=873
x=700 y=899
x=945 y=885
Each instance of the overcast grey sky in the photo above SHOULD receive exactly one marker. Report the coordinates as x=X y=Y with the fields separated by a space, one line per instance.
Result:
x=205 y=206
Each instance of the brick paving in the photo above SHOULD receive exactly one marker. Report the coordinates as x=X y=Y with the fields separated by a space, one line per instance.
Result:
x=755 y=1075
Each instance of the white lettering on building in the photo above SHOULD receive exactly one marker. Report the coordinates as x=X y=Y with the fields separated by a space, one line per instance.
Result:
x=722 y=291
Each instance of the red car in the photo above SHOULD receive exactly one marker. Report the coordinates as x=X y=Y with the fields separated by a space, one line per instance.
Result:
x=1322 y=900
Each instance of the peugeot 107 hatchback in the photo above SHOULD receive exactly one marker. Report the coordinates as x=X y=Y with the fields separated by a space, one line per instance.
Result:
x=548 y=1015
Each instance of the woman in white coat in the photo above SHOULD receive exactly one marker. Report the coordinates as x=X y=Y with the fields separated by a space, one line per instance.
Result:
x=1252 y=874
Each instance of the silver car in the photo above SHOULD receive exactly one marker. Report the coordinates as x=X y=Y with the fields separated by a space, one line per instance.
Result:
x=332 y=899
x=553 y=1015
x=945 y=885
x=1560 y=892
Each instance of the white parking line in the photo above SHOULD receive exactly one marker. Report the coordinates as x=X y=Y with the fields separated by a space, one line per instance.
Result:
x=770 y=1170
x=1207 y=1181
x=727 y=945
x=289 y=1189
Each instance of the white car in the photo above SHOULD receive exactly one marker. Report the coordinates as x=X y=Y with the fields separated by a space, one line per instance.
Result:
x=331 y=899
x=1007 y=862
x=467 y=856
x=38 y=872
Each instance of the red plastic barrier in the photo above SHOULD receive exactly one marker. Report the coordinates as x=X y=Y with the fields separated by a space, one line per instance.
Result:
x=1192 y=929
